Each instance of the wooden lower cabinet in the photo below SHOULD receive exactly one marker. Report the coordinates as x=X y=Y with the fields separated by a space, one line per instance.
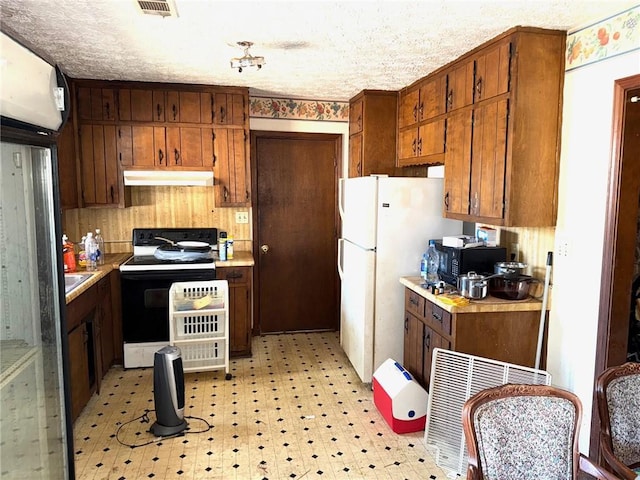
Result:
x=239 y=279
x=91 y=342
x=507 y=336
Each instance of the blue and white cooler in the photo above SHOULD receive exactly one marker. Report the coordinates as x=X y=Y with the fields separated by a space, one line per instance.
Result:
x=399 y=398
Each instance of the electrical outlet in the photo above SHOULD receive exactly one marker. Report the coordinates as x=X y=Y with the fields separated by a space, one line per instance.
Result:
x=242 y=217
x=515 y=252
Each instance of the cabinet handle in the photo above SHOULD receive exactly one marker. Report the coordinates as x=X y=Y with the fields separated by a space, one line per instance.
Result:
x=446 y=200
x=225 y=193
x=233 y=275
x=158 y=110
x=413 y=146
x=450 y=100
x=427 y=341
x=413 y=301
x=415 y=112
x=420 y=147
x=406 y=324
x=112 y=195
x=421 y=110
x=359 y=169
x=223 y=114
x=160 y=155
x=437 y=316
x=176 y=153
x=247 y=195
x=479 y=87
x=214 y=160
x=108 y=111
x=213 y=110
x=175 y=112
x=359 y=122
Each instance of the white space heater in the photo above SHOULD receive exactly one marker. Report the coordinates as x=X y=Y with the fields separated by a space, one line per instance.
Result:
x=168 y=392
x=455 y=377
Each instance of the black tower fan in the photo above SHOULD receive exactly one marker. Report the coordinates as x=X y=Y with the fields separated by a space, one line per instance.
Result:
x=168 y=392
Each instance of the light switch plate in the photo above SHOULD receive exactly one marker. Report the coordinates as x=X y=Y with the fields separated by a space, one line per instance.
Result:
x=242 y=217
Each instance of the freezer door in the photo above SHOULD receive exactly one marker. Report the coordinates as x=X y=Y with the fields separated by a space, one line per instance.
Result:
x=356 y=308
x=358 y=198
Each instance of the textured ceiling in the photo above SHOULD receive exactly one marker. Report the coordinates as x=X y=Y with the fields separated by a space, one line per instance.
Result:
x=313 y=49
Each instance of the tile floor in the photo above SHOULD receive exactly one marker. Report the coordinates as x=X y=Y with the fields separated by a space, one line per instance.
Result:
x=295 y=410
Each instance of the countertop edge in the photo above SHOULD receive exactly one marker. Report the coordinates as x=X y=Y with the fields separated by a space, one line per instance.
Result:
x=489 y=304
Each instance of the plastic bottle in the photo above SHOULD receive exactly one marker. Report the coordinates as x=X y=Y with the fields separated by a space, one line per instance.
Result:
x=229 y=248
x=222 y=246
x=68 y=255
x=82 y=254
x=91 y=252
x=100 y=242
x=423 y=267
x=433 y=262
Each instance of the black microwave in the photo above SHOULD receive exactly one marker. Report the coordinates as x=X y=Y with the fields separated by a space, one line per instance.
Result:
x=456 y=261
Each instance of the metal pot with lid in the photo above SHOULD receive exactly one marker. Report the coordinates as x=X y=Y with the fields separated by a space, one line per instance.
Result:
x=473 y=285
x=514 y=287
x=510 y=269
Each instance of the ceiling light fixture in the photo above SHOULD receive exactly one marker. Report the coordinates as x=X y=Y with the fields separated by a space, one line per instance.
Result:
x=247 y=60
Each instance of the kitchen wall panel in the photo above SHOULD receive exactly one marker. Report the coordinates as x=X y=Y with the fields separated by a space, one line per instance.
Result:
x=157 y=207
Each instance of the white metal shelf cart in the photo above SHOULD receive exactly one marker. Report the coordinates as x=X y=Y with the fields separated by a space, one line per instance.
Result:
x=199 y=324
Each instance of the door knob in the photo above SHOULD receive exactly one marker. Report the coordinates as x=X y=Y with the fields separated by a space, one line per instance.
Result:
x=264 y=248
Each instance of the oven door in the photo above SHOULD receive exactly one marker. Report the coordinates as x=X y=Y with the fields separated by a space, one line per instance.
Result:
x=145 y=310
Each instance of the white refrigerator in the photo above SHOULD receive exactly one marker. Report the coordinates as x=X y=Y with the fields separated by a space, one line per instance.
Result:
x=387 y=223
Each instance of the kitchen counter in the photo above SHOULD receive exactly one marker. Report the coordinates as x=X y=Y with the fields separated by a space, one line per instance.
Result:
x=114 y=260
x=488 y=304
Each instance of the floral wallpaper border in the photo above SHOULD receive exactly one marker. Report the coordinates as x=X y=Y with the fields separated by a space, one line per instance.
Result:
x=291 y=109
x=607 y=38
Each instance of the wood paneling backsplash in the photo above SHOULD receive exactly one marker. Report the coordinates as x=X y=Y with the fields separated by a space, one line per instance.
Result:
x=157 y=207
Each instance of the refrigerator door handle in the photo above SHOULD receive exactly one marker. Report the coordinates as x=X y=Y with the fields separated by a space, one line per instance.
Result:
x=341 y=197
x=340 y=261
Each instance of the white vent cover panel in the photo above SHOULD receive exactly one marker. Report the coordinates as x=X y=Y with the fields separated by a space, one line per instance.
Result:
x=165 y=8
x=455 y=377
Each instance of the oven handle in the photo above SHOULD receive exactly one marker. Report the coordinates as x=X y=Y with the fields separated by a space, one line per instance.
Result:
x=175 y=275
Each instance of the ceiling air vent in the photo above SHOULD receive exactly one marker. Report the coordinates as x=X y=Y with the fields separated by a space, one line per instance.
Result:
x=164 y=8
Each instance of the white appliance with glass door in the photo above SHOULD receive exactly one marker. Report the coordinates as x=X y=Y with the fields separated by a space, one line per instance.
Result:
x=387 y=223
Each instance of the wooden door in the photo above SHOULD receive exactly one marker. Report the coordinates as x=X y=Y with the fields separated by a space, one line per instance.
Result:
x=488 y=161
x=229 y=109
x=230 y=168
x=431 y=138
x=492 y=72
x=413 y=357
x=355 y=116
x=296 y=225
x=79 y=365
x=142 y=146
x=355 y=155
x=407 y=146
x=433 y=96
x=99 y=163
x=408 y=108
x=460 y=92
x=458 y=163
x=67 y=167
x=183 y=107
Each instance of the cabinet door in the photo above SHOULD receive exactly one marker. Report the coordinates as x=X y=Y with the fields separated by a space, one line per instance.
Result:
x=96 y=104
x=229 y=109
x=196 y=145
x=488 y=161
x=408 y=108
x=431 y=138
x=431 y=341
x=230 y=167
x=239 y=279
x=125 y=145
x=461 y=86
x=143 y=106
x=407 y=146
x=184 y=107
x=355 y=116
x=99 y=163
x=458 y=163
x=492 y=72
x=355 y=155
x=160 y=157
x=413 y=340
x=79 y=365
x=106 y=328
x=433 y=97
x=67 y=167
x=142 y=145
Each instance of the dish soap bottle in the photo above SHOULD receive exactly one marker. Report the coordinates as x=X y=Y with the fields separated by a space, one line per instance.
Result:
x=229 y=248
x=68 y=255
x=100 y=244
x=82 y=254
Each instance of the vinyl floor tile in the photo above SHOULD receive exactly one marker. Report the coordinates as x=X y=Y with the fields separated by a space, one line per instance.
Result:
x=294 y=410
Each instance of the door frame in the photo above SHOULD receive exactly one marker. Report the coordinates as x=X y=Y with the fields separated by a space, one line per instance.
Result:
x=338 y=169
x=612 y=332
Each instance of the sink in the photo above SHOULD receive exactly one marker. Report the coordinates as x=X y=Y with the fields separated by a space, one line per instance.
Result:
x=74 y=280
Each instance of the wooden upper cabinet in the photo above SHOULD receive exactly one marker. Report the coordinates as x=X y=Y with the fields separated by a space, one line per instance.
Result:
x=355 y=116
x=231 y=172
x=67 y=167
x=141 y=105
x=229 y=109
x=457 y=177
x=373 y=121
x=189 y=107
x=96 y=104
x=460 y=85
x=492 y=72
x=408 y=107
x=433 y=94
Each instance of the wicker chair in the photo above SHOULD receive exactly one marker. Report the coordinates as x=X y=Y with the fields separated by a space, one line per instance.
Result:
x=618 y=397
x=525 y=432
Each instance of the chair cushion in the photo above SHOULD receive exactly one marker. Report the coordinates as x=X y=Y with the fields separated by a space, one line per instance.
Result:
x=623 y=400
x=526 y=438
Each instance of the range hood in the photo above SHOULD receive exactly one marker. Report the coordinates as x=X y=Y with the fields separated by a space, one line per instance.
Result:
x=168 y=178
